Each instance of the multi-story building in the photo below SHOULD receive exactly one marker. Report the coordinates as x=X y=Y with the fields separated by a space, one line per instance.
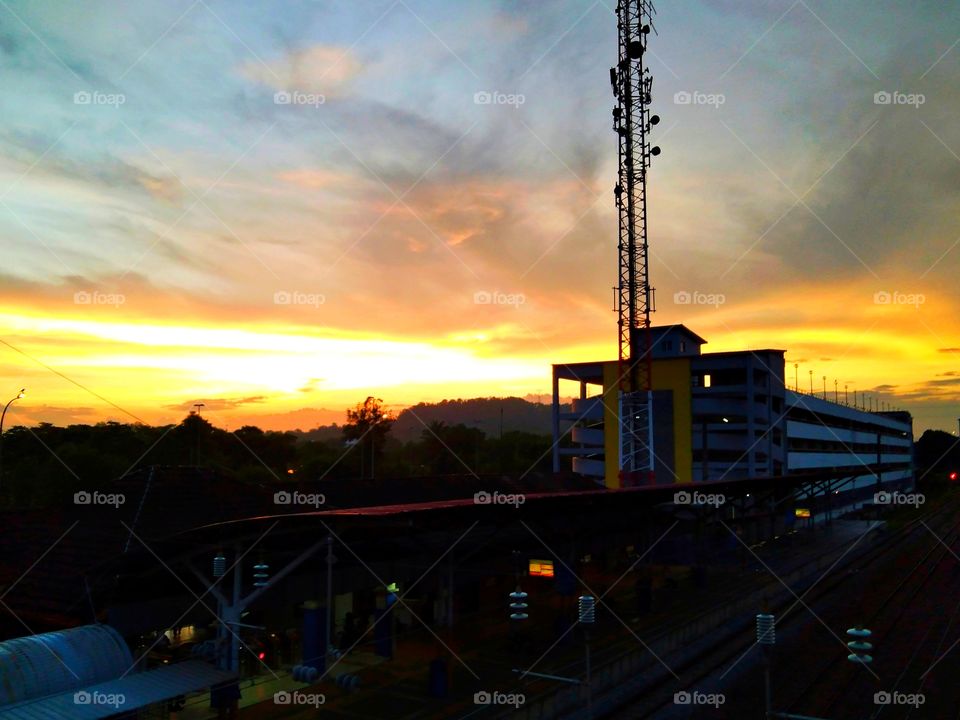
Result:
x=727 y=416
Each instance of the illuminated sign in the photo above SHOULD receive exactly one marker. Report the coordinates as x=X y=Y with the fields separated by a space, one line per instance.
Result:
x=802 y=512
x=541 y=568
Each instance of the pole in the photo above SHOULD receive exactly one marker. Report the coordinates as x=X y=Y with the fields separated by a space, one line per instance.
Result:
x=705 y=460
x=811 y=382
x=766 y=638
x=796 y=377
x=768 y=700
x=824 y=387
x=500 y=438
x=235 y=611
x=329 y=633
x=586 y=641
x=836 y=391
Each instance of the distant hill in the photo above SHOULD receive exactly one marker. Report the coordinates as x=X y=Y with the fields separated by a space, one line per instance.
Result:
x=324 y=433
x=483 y=413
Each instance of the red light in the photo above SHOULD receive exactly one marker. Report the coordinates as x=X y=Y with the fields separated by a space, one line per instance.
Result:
x=262 y=655
x=953 y=475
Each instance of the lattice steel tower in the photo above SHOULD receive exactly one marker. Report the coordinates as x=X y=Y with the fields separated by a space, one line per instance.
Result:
x=632 y=121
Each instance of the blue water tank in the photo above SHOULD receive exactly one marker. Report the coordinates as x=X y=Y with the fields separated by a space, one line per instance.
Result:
x=54 y=662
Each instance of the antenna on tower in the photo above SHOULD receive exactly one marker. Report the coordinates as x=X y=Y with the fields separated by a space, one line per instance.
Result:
x=632 y=85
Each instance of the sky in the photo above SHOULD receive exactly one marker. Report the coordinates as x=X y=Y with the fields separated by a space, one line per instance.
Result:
x=277 y=209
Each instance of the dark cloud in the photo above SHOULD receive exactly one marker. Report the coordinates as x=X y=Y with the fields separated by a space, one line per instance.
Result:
x=310 y=385
x=9 y=43
x=884 y=182
x=946 y=382
x=103 y=169
x=214 y=404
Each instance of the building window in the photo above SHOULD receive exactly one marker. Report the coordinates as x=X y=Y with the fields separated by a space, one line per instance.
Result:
x=706 y=381
x=683 y=346
x=668 y=345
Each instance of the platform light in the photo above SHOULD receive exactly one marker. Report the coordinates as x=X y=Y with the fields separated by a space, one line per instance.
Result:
x=587 y=609
x=219 y=564
x=540 y=568
x=802 y=513
x=859 y=646
x=766 y=629
x=518 y=605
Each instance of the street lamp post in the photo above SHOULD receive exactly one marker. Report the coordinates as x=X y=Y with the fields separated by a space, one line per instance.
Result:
x=3 y=415
x=824 y=387
x=796 y=377
x=811 y=382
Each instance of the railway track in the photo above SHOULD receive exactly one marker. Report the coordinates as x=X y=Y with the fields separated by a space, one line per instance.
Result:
x=907 y=588
x=887 y=616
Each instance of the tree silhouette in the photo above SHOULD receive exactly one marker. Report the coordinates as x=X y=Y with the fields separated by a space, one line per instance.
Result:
x=367 y=426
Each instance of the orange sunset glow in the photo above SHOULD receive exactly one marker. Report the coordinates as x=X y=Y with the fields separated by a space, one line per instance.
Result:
x=383 y=232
